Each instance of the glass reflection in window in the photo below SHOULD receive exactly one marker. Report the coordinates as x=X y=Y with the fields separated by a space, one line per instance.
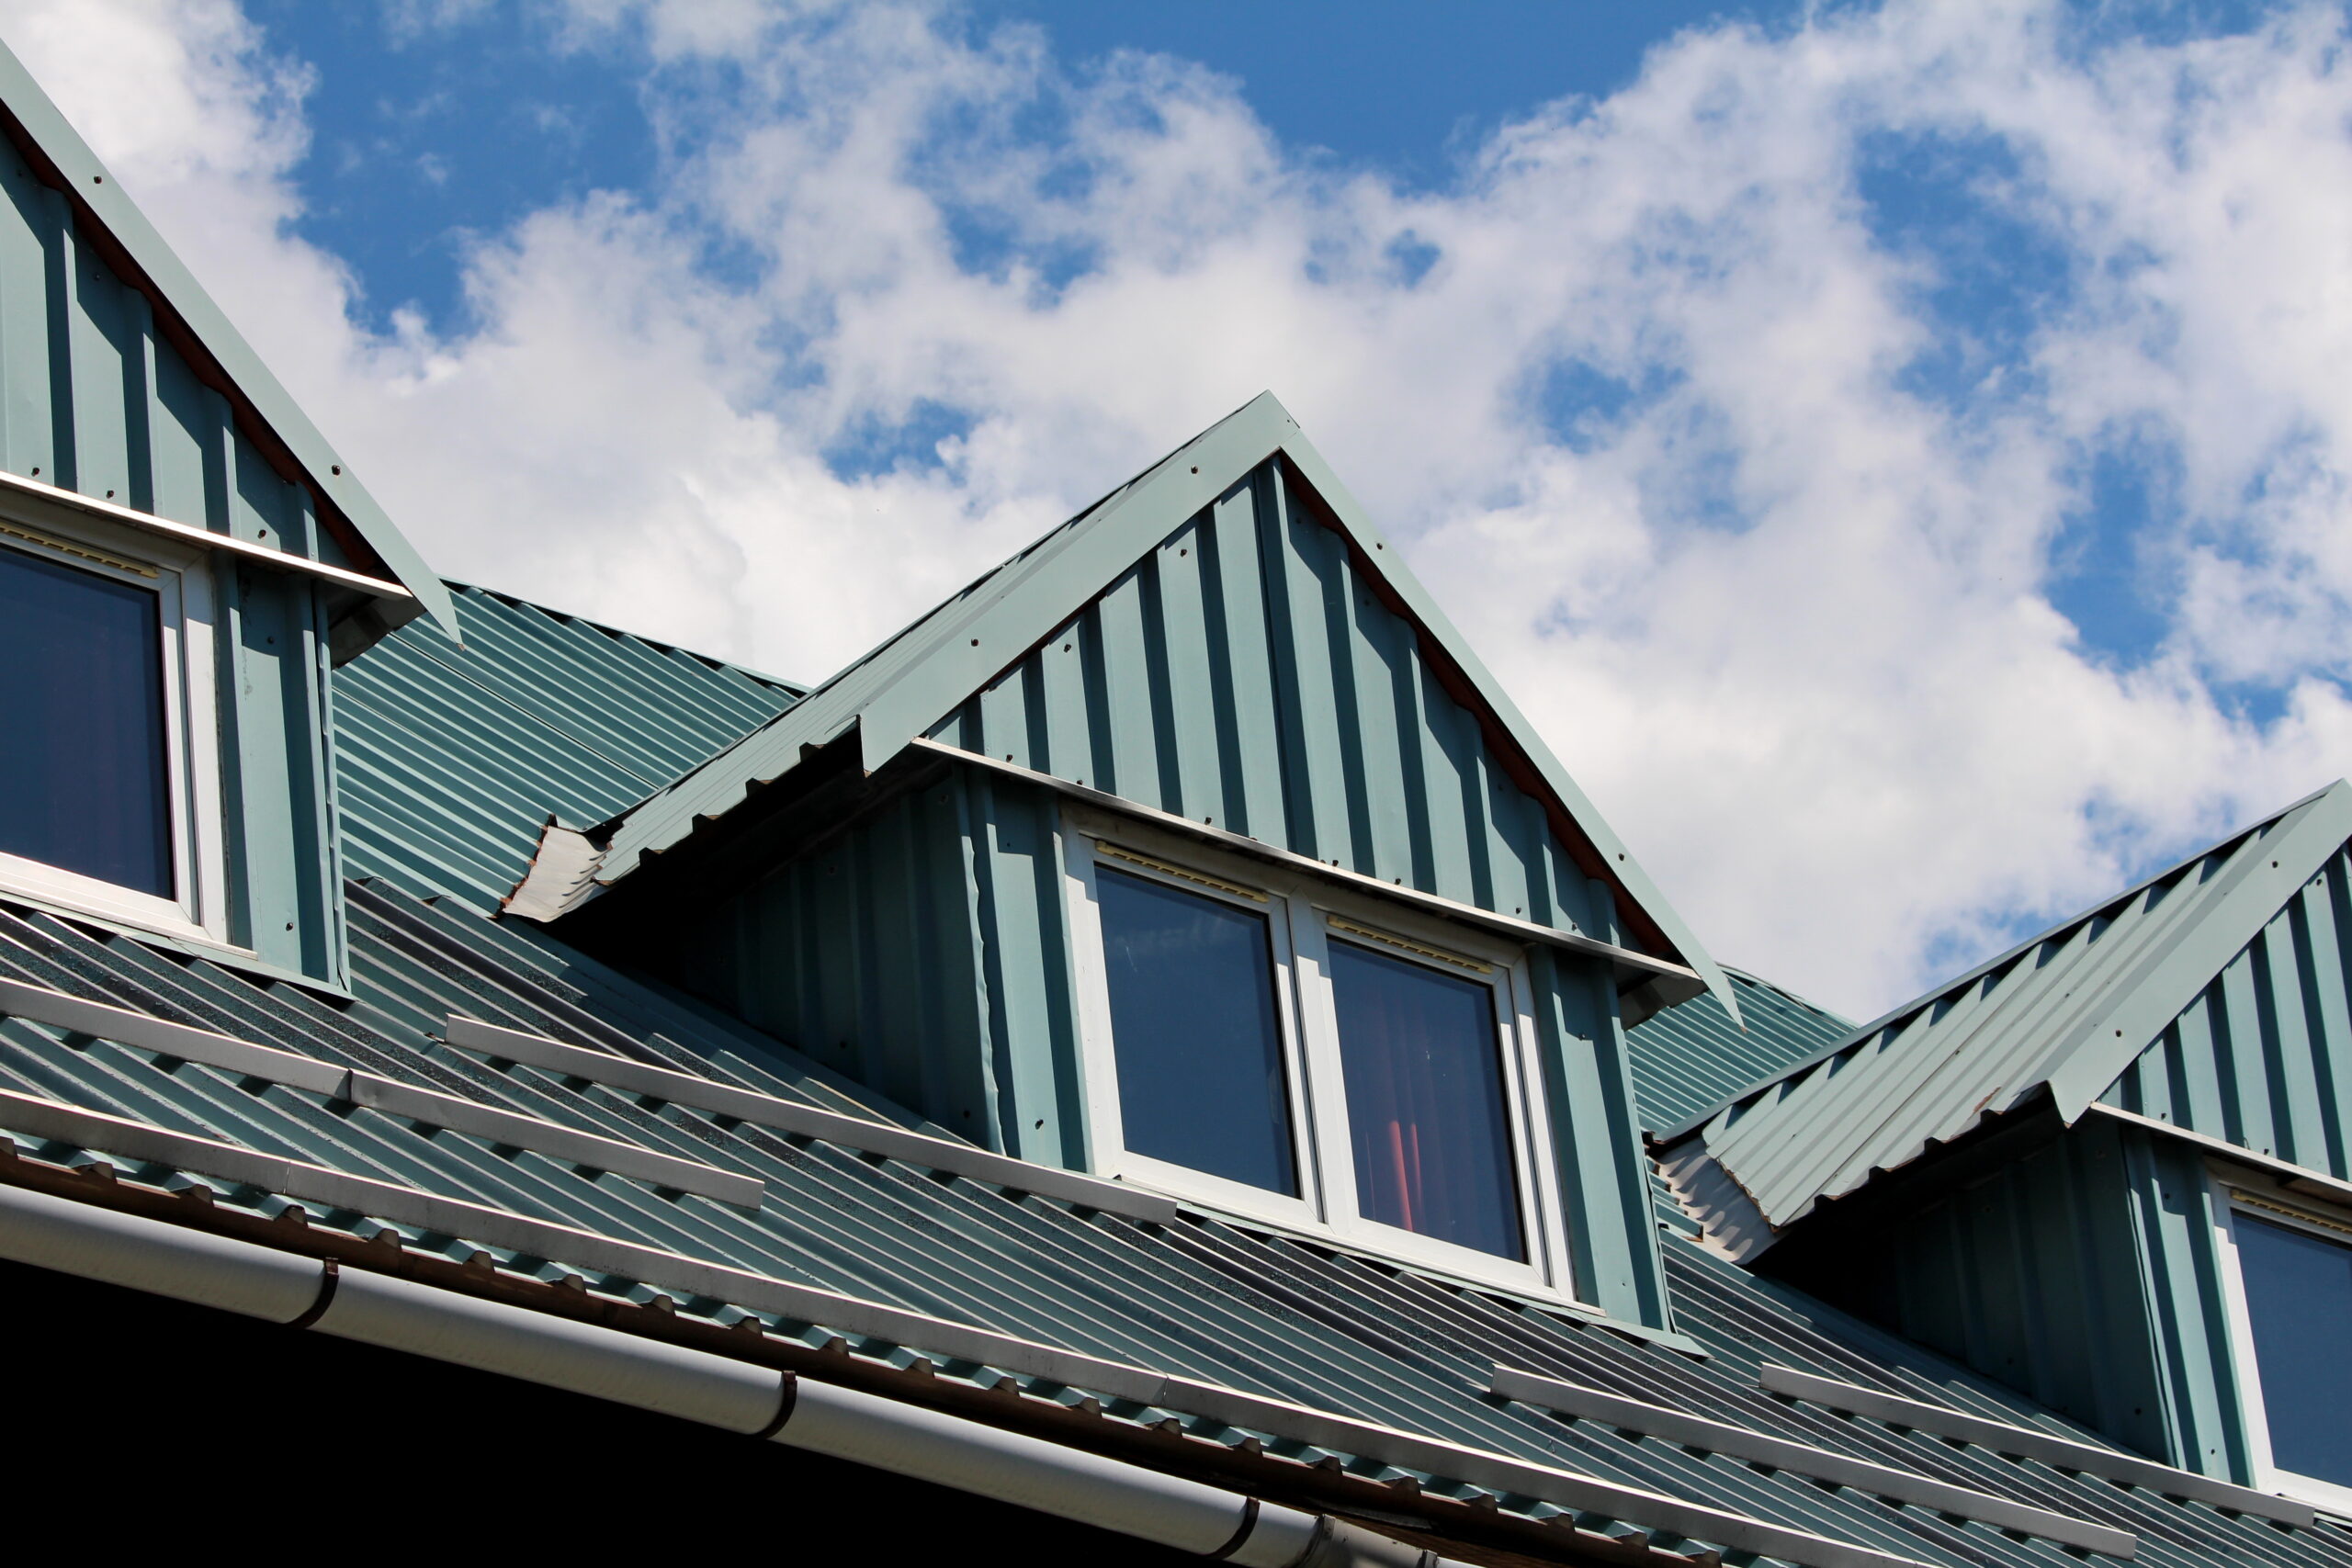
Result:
x=2298 y=1298
x=1421 y=1059
x=1192 y=1026
x=83 y=780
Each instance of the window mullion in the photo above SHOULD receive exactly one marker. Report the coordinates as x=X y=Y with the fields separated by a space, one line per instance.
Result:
x=1321 y=1087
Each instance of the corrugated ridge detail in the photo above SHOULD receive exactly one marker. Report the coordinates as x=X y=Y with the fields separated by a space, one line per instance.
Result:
x=2067 y=1011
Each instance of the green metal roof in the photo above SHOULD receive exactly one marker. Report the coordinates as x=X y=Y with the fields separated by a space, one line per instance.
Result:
x=92 y=190
x=451 y=756
x=2066 y=1013
x=1249 y=1344
x=904 y=688
x=1688 y=1058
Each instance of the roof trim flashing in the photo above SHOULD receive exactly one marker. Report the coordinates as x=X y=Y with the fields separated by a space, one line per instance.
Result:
x=1576 y=1401
x=1635 y=969
x=36 y=495
x=560 y=877
x=806 y=1121
x=99 y=1020
x=27 y=109
x=2027 y=1442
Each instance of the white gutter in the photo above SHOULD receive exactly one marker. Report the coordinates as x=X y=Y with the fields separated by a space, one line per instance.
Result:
x=737 y=1396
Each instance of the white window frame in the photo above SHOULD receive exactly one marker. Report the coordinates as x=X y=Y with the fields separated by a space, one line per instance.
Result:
x=1302 y=913
x=181 y=578
x=2233 y=1191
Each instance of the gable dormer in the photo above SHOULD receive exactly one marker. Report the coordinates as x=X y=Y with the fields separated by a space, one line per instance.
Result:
x=182 y=558
x=2111 y=1167
x=1192 y=847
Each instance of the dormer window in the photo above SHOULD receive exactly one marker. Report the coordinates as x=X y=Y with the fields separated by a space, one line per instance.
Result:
x=102 y=775
x=2292 y=1297
x=1282 y=1049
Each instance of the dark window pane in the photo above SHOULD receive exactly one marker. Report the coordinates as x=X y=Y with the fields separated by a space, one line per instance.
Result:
x=1424 y=1101
x=2298 y=1295
x=1192 y=1024
x=82 y=745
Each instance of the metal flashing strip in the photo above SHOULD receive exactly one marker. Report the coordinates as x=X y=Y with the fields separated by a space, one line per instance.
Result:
x=2025 y=1442
x=1665 y=969
x=2292 y=1211
x=1419 y=950
x=80 y=552
x=2316 y=1183
x=17 y=487
x=1113 y=851
x=103 y=1021
x=938 y=1338
x=1805 y=1460
x=806 y=1120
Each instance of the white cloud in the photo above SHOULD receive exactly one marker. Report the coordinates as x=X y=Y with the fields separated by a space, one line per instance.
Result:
x=1788 y=610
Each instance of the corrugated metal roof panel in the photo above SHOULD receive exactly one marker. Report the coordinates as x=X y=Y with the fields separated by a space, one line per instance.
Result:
x=1197 y=1300
x=452 y=756
x=1688 y=1058
x=2067 y=1012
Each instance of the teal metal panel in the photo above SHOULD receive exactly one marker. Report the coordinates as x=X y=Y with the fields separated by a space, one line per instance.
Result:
x=2035 y=1276
x=919 y=953
x=1319 y=726
x=1186 y=673
x=1196 y=1299
x=276 y=793
x=2085 y=1274
x=76 y=337
x=2173 y=1221
x=1688 y=1058
x=2070 y=1012
x=451 y=756
x=2262 y=1058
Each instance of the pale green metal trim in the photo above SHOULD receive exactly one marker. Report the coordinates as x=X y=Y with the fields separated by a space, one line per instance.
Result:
x=2094 y=1054
x=93 y=186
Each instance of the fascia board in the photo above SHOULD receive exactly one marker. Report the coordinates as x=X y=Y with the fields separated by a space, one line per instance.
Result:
x=91 y=184
x=1579 y=806
x=2164 y=981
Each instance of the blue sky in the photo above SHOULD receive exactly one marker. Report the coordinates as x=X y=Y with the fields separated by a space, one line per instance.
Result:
x=1896 y=450
x=423 y=137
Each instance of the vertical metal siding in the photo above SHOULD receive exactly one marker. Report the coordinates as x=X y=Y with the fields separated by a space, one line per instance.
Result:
x=2173 y=1219
x=2263 y=1058
x=1245 y=674
x=880 y=956
x=2033 y=1276
x=93 y=400
x=2088 y=1275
